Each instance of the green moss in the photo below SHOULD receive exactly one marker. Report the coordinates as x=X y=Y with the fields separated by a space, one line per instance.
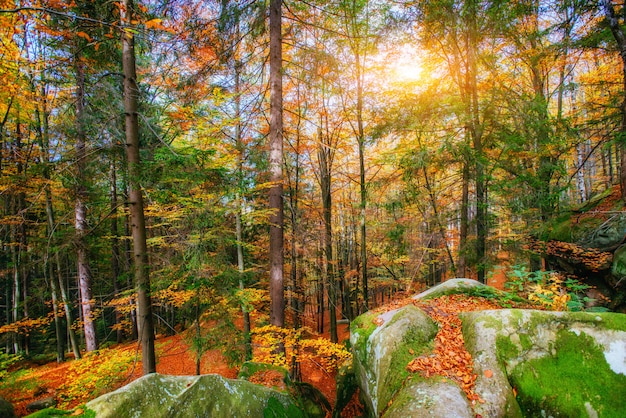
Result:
x=506 y=349
x=526 y=341
x=363 y=326
x=53 y=413
x=414 y=344
x=563 y=383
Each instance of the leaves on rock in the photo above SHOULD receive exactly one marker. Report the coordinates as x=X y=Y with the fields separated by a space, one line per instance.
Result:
x=590 y=258
x=450 y=358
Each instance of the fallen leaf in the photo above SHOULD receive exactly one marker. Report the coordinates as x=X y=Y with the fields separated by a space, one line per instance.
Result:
x=488 y=374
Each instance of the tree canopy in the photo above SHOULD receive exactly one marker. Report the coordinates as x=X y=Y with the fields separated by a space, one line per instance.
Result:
x=271 y=162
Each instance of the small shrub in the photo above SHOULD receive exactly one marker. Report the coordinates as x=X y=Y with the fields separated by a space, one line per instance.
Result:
x=95 y=374
x=6 y=361
x=549 y=289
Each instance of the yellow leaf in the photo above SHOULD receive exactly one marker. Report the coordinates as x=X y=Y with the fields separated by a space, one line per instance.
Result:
x=153 y=24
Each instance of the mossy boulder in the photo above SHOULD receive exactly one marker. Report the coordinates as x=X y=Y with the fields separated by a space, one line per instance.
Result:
x=561 y=363
x=6 y=408
x=157 y=396
x=383 y=346
x=452 y=286
x=431 y=398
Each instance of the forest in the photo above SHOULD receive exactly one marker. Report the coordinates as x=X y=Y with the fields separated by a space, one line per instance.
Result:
x=263 y=164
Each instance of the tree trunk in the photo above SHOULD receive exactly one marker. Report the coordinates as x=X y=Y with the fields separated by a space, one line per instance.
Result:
x=464 y=220
x=363 y=188
x=80 y=211
x=115 y=244
x=325 y=162
x=619 y=33
x=277 y=296
x=247 y=337
x=140 y=249
x=475 y=132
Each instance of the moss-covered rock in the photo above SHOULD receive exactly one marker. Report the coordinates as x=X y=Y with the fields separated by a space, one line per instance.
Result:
x=346 y=387
x=157 y=395
x=451 y=286
x=6 y=408
x=430 y=398
x=383 y=352
x=561 y=363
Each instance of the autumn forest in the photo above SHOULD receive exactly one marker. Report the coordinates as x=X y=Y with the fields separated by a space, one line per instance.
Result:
x=263 y=163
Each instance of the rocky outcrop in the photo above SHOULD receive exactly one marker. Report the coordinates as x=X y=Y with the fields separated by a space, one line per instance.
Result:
x=527 y=362
x=560 y=363
x=157 y=396
x=382 y=352
x=6 y=409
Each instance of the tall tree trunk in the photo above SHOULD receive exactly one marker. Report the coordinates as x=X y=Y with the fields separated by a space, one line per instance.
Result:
x=619 y=33
x=475 y=131
x=80 y=211
x=140 y=249
x=277 y=296
x=115 y=243
x=464 y=220
x=247 y=336
x=362 y=186
x=325 y=162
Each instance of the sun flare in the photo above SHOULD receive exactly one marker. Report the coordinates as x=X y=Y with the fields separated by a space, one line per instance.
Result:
x=405 y=65
x=408 y=72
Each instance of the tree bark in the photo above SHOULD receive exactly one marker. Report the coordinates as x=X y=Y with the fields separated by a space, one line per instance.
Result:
x=247 y=337
x=277 y=296
x=138 y=227
x=325 y=162
x=80 y=211
x=115 y=244
x=619 y=33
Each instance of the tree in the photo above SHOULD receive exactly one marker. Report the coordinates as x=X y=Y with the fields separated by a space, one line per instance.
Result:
x=277 y=310
x=140 y=248
x=619 y=34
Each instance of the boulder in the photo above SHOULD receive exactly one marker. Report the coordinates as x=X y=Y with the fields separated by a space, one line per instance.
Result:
x=449 y=287
x=432 y=398
x=383 y=346
x=42 y=403
x=157 y=396
x=6 y=408
x=560 y=363
x=527 y=362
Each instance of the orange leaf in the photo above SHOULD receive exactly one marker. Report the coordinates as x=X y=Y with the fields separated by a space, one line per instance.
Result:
x=488 y=374
x=153 y=24
x=84 y=36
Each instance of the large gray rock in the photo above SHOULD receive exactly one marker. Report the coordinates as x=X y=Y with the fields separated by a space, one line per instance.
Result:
x=450 y=286
x=561 y=363
x=161 y=396
x=430 y=398
x=383 y=346
x=527 y=362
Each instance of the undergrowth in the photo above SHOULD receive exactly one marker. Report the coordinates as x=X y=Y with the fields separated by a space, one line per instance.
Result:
x=552 y=290
x=96 y=373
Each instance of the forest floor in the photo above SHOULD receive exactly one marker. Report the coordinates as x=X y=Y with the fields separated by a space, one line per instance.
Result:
x=175 y=357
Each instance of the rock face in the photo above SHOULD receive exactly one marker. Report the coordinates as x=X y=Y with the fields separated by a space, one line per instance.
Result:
x=382 y=353
x=6 y=409
x=164 y=396
x=560 y=363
